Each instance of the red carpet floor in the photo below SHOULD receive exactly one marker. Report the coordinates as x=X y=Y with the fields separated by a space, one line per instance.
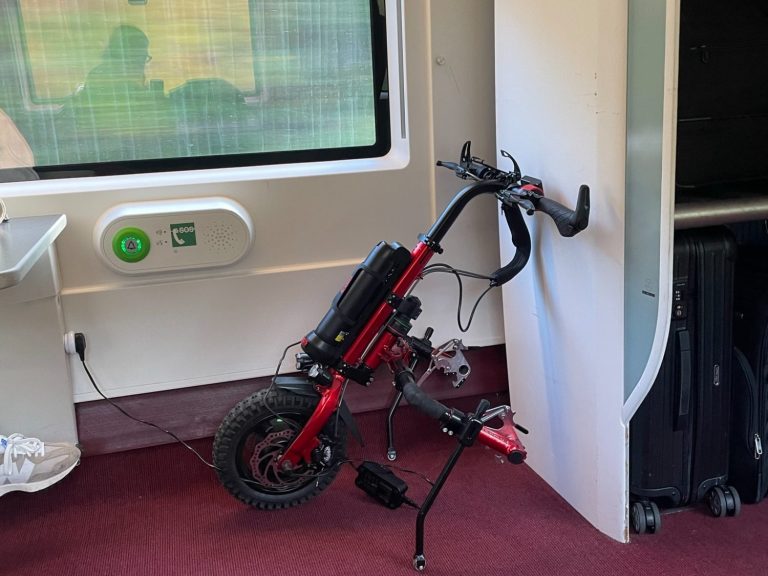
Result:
x=160 y=512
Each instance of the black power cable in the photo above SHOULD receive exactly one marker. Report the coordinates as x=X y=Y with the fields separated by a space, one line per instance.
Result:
x=80 y=349
x=145 y=422
x=446 y=268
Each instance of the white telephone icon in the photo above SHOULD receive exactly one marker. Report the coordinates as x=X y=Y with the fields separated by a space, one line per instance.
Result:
x=179 y=241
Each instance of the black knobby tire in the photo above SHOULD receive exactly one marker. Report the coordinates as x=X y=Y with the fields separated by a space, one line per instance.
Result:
x=270 y=413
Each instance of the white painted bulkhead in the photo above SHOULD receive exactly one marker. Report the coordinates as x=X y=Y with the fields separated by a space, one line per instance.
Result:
x=562 y=109
x=182 y=329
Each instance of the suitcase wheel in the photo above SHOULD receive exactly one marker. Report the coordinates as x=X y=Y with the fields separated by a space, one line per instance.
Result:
x=645 y=518
x=723 y=501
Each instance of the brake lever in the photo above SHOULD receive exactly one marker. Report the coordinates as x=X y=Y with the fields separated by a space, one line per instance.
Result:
x=526 y=199
x=517 y=174
x=466 y=155
x=472 y=167
x=528 y=206
x=451 y=165
x=460 y=171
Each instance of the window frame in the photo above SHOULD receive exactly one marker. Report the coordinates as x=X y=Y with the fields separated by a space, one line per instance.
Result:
x=389 y=152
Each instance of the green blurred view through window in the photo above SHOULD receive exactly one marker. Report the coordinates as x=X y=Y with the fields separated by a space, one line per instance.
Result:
x=126 y=81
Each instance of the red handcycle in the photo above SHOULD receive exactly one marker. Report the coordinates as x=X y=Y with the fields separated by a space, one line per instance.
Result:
x=285 y=444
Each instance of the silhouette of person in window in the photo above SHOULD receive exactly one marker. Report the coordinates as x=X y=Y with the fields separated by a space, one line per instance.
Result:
x=123 y=63
x=117 y=116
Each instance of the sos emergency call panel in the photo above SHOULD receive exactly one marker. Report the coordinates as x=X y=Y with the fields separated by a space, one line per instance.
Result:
x=168 y=235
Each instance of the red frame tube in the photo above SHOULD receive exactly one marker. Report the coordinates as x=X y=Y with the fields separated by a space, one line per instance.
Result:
x=302 y=446
x=504 y=442
x=330 y=397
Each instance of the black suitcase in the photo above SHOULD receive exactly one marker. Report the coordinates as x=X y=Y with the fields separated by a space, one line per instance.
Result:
x=722 y=92
x=679 y=435
x=749 y=421
x=751 y=234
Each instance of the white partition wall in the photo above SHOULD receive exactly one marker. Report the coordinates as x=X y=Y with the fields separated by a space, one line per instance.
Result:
x=206 y=326
x=560 y=111
x=562 y=108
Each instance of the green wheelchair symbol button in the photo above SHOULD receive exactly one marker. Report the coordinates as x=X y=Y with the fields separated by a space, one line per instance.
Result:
x=131 y=244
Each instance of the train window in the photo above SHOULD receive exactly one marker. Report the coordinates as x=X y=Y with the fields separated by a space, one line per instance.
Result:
x=104 y=87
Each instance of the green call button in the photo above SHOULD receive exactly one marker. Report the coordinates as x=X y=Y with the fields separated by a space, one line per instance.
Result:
x=131 y=244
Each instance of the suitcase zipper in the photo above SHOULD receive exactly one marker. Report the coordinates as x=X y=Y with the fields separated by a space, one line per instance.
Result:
x=762 y=382
x=762 y=387
x=749 y=380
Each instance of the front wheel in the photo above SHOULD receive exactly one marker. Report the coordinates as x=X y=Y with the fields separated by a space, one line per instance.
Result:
x=253 y=435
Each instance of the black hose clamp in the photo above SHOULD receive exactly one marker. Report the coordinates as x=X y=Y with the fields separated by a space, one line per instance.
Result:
x=431 y=244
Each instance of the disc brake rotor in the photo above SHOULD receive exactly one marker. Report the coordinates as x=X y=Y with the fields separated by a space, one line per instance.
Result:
x=264 y=462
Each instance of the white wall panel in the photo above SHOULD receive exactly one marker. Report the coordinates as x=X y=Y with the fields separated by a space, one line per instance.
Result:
x=463 y=95
x=561 y=101
x=203 y=327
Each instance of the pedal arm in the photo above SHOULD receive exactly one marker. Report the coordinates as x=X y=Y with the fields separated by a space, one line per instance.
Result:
x=504 y=439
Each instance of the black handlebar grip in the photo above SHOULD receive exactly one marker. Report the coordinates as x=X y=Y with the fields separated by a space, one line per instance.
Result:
x=417 y=398
x=569 y=222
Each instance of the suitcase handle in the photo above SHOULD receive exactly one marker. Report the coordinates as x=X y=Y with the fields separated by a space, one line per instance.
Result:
x=686 y=373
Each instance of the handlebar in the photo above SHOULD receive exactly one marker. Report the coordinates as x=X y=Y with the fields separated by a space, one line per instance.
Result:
x=468 y=427
x=514 y=191
x=569 y=222
x=523 y=191
x=420 y=400
x=531 y=197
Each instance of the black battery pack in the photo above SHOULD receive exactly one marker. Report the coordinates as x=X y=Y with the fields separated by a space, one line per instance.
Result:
x=355 y=303
x=382 y=484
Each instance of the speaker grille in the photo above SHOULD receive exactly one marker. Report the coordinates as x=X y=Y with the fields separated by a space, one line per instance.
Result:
x=220 y=237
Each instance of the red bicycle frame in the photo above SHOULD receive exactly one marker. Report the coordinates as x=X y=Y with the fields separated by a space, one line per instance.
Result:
x=374 y=342
x=369 y=322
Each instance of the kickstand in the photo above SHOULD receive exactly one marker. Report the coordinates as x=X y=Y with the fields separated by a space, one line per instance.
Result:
x=466 y=438
x=391 y=452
